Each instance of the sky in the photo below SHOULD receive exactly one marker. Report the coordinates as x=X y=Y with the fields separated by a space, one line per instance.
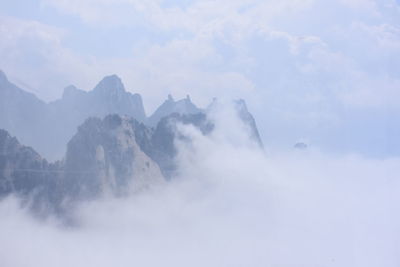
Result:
x=324 y=72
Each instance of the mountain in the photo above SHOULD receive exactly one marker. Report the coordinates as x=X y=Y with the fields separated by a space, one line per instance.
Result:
x=166 y=133
x=25 y=173
x=170 y=106
x=249 y=121
x=108 y=97
x=21 y=113
x=107 y=157
x=49 y=126
x=107 y=144
x=114 y=156
x=241 y=111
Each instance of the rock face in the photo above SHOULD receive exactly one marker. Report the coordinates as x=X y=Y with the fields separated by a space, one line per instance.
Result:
x=106 y=157
x=108 y=97
x=249 y=121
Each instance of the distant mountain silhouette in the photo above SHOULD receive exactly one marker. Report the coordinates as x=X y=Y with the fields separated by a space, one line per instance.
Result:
x=48 y=127
x=170 y=106
x=106 y=144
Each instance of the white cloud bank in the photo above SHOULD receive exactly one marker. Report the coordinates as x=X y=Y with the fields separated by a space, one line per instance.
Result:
x=231 y=206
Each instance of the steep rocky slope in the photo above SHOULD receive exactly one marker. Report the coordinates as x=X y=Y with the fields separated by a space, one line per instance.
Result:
x=107 y=157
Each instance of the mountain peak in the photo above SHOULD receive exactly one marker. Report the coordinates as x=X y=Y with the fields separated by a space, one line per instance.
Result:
x=71 y=91
x=110 y=83
x=183 y=106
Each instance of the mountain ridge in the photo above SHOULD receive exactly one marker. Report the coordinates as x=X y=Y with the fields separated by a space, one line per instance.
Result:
x=49 y=126
x=104 y=150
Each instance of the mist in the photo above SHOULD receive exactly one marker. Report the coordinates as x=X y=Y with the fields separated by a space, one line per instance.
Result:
x=232 y=204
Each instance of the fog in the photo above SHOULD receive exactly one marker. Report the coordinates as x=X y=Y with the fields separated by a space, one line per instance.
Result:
x=231 y=205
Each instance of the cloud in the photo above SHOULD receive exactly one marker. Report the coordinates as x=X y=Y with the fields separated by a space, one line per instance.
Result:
x=34 y=57
x=231 y=206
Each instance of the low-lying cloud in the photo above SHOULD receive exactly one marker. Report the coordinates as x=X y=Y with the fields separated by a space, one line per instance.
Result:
x=232 y=205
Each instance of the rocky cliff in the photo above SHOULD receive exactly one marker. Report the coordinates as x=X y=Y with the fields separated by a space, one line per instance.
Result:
x=107 y=157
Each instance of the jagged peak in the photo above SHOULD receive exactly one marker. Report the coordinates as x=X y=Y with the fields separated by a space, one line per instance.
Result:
x=170 y=98
x=111 y=82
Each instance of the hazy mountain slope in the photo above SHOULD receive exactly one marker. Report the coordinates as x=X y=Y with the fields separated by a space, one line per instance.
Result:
x=105 y=157
x=22 y=113
x=166 y=134
x=23 y=170
x=115 y=156
x=248 y=120
x=108 y=97
x=48 y=127
x=170 y=106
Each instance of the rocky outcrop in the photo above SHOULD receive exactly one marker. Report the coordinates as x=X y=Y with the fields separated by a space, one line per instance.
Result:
x=107 y=157
x=249 y=121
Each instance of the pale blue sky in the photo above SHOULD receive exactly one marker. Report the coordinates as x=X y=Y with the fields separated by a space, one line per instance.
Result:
x=323 y=71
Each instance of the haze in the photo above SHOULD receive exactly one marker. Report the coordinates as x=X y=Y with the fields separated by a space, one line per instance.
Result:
x=320 y=77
